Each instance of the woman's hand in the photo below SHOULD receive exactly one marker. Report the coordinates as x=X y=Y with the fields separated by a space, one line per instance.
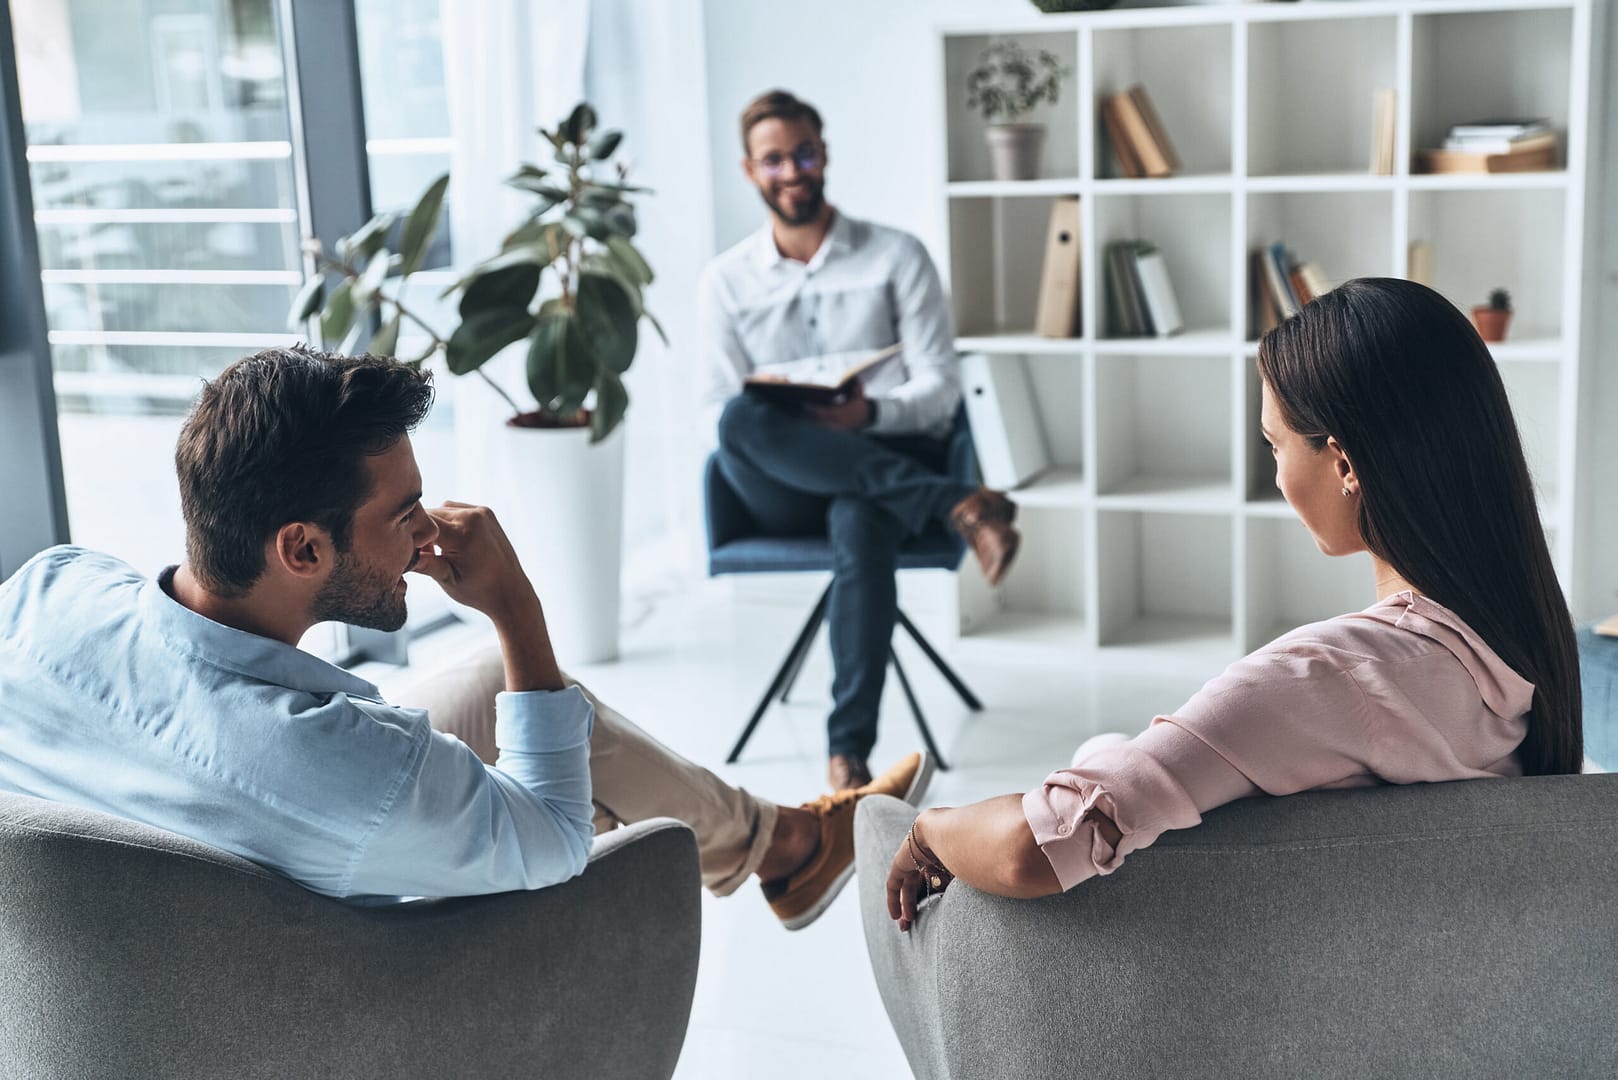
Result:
x=988 y=845
x=915 y=874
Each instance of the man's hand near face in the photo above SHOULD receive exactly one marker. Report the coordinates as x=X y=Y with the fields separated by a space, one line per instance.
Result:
x=477 y=566
x=852 y=415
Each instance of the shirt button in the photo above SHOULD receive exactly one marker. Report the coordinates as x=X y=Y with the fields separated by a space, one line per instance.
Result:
x=1063 y=829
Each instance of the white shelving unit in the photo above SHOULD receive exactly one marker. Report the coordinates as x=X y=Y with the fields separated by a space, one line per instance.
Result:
x=1158 y=530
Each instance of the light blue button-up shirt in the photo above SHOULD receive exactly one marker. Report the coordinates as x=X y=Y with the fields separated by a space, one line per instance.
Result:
x=115 y=697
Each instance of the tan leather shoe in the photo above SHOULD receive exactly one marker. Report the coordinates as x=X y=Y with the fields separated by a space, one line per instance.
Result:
x=984 y=520
x=802 y=897
x=845 y=772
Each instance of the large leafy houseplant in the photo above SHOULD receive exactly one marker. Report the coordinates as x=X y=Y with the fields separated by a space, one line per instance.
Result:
x=581 y=320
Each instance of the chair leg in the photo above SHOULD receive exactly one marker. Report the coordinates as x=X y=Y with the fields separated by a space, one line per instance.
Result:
x=915 y=707
x=944 y=669
x=815 y=620
x=794 y=656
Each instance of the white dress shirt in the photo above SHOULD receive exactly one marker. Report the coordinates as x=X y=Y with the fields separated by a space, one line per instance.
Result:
x=867 y=287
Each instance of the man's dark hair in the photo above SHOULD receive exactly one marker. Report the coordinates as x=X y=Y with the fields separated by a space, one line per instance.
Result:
x=281 y=436
x=777 y=105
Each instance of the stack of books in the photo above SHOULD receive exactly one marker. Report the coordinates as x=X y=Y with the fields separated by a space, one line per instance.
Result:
x=1279 y=284
x=1136 y=133
x=1494 y=146
x=1140 y=297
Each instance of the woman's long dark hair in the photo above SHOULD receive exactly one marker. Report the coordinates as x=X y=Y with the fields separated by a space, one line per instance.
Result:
x=1399 y=378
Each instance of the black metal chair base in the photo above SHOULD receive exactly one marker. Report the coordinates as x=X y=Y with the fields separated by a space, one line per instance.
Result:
x=787 y=675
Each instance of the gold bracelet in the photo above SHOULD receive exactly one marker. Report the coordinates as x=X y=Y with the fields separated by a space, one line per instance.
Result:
x=932 y=880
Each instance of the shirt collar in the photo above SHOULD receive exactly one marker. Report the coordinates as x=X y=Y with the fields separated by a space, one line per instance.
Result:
x=839 y=238
x=246 y=654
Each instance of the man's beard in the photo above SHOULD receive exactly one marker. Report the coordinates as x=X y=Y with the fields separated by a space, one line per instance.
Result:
x=808 y=207
x=361 y=596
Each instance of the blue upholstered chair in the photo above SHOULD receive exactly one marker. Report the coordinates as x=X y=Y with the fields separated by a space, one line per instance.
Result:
x=737 y=546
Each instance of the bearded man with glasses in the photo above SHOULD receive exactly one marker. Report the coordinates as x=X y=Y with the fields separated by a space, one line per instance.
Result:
x=867 y=472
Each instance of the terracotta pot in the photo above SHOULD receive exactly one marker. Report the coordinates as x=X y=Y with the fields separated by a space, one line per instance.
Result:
x=1491 y=322
x=1014 y=150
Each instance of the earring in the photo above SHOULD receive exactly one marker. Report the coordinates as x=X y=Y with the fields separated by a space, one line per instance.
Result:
x=1347 y=492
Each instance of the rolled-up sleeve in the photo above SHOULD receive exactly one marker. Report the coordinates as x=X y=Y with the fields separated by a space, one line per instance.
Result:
x=927 y=399
x=1276 y=722
x=457 y=827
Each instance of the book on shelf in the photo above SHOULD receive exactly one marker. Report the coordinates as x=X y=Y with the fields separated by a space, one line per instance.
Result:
x=1507 y=128
x=1002 y=413
x=1057 y=315
x=1460 y=161
x=1383 y=127
x=829 y=379
x=1494 y=146
x=1141 y=301
x=1123 y=151
x=1158 y=291
x=1139 y=140
x=1419 y=263
x=1279 y=285
x=1262 y=313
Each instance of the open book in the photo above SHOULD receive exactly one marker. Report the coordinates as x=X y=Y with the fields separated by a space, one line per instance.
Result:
x=819 y=380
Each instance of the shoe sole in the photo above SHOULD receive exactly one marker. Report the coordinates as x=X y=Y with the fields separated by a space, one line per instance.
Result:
x=913 y=795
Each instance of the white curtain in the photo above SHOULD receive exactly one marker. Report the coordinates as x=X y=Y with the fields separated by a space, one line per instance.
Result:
x=647 y=75
x=514 y=65
x=510 y=67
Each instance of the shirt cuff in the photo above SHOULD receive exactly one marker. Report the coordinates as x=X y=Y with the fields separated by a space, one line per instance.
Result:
x=889 y=415
x=1072 y=845
x=542 y=721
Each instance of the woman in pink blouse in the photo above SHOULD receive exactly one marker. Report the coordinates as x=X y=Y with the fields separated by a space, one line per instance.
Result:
x=1391 y=434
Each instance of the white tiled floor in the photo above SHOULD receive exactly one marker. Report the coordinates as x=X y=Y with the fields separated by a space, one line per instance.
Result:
x=784 y=1005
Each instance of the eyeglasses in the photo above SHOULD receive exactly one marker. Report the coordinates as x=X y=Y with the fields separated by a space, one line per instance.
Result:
x=804 y=158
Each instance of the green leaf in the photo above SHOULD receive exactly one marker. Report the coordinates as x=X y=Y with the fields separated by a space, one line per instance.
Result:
x=597 y=196
x=560 y=374
x=579 y=123
x=533 y=253
x=612 y=401
x=508 y=287
x=626 y=256
x=365 y=241
x=604 y=145
x=606 y=316
x=649 y=317
x=351 y=343
x=307 y=302
x=527 y=173
x=421 y=225
x=368 y=284
x=339 y=314
x=483 y=335
x=621 y=220
x=386 y=339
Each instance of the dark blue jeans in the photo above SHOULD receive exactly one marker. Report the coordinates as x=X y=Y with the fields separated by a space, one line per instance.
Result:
x=867 y=493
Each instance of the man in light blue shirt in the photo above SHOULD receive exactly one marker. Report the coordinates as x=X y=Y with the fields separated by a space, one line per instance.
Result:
x=866 y=472
x=184 y=702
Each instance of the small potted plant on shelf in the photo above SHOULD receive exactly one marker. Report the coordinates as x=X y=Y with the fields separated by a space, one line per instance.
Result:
x=1492 y=318
x=568 y=283
x=1005 y=86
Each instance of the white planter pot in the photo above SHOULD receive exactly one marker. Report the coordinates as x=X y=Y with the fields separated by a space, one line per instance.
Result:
x=561 y=500
x=1014 y=150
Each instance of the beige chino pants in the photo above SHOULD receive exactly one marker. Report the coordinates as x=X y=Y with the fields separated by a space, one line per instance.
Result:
x=632 y=776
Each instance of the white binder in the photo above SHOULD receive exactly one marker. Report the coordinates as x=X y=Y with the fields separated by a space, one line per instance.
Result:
x=1006 y=428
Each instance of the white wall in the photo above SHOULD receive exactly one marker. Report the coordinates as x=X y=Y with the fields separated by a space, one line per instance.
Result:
x=870 y=69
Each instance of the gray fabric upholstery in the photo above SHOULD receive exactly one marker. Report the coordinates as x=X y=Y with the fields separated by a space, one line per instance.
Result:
x=1461 y=929
x=131 y=952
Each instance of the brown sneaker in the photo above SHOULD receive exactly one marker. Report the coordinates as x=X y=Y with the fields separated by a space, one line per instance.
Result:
x=844 y=772
x=984 y=520
x=804 y=896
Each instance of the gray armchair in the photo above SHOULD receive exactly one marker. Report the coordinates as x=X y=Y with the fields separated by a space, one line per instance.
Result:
x=126 y=951
x=1462 y=929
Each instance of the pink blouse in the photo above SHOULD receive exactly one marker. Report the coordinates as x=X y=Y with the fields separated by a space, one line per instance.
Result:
x=1401 y=693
